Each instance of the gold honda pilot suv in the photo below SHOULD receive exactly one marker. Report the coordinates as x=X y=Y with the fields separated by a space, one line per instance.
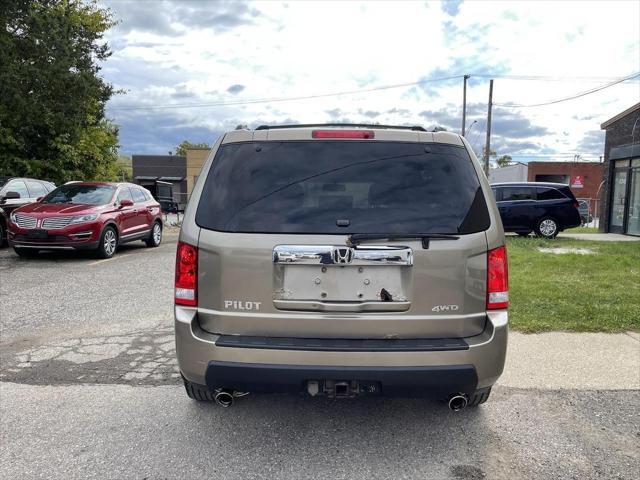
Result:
x=341 y=260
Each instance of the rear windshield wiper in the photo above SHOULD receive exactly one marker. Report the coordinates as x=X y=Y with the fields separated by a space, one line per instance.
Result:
x=357 y=238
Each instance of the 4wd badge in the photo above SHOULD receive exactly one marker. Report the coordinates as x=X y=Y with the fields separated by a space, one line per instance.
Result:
x=445 y=308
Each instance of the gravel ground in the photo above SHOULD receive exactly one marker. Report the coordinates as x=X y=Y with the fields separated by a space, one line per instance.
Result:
x=89 y=388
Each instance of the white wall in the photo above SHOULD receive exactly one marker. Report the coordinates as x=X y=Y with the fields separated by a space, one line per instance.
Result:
x=512 y=173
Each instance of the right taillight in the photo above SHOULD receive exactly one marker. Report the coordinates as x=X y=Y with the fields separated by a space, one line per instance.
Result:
x=186 y=286
x=497 y=279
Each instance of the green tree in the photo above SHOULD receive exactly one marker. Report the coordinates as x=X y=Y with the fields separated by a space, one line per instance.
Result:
x=52 y=99
x=186 y=144
x=503 y=161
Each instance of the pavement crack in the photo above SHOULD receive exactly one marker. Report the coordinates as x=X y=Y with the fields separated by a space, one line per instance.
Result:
x=140 y=358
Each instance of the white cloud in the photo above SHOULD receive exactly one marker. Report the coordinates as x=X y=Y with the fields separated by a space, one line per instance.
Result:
x=177 y=52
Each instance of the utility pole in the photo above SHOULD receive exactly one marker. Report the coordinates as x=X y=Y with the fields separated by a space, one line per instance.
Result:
x=487 y=146
x=464 y=104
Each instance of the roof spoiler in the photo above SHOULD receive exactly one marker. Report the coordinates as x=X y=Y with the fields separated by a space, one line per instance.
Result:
x=415 y=128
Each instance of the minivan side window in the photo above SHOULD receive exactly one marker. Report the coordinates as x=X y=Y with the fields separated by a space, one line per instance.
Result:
x=549 y=194
x=138 y=196
x=510 y=194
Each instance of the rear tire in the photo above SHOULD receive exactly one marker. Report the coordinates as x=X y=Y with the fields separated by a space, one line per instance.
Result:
x=26 y=252
x=155 y=236
x=108 y=243
x=547 y=227
x=479 y=397
x=197 y=392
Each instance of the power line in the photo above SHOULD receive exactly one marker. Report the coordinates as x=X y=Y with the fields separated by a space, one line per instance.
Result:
x=551 y=78
x=287 y=99
x=572 y=97
x=380 y=88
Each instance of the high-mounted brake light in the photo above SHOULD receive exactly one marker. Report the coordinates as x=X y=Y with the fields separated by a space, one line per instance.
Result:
x=186 y=285
x=497 y=279
x=365 y=134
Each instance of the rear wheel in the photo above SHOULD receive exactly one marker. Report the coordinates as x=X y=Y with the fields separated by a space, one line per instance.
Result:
x=155 y=237
x=197 y=392
x=108 y=243
x=26 y=252
x=547 y=227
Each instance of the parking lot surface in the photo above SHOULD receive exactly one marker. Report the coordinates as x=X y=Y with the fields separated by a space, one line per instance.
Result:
x=90 y=389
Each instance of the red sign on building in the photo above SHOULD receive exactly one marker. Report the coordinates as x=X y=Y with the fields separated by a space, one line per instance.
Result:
x=577 y=181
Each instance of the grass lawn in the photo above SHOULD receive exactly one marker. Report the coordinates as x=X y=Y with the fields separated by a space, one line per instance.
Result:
x=585 y=293
x=582 y=230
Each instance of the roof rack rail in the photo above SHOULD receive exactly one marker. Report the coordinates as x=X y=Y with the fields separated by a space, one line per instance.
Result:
x=416 y=128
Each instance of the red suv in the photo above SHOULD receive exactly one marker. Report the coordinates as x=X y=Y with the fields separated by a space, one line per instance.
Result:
x=86 y=215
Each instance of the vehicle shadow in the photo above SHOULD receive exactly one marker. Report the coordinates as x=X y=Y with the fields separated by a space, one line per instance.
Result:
x=386 y=437
x=70 y=256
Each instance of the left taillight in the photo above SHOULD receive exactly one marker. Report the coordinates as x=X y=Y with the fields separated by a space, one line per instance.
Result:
x=497 y=279
x=186 y=284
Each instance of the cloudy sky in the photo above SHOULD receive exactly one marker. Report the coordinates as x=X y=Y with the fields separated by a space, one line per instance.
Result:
x=193 y=69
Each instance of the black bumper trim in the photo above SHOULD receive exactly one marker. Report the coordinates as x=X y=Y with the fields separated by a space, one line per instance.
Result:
x=394 y=381
x=343 y=345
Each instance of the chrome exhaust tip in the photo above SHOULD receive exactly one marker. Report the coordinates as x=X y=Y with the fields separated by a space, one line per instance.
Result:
x=224 y=398
x=457 y=402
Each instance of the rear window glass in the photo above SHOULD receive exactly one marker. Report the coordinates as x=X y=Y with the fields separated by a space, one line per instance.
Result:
x=516 y=193
x=549 y=194
x=366 y=187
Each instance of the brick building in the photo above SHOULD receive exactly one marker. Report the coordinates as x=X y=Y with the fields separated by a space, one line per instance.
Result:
x=195 y=160
x=584 y=178
x=621 y=196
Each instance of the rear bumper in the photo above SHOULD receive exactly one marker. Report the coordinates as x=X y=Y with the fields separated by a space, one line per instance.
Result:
x=411 y=371
x=403 y=381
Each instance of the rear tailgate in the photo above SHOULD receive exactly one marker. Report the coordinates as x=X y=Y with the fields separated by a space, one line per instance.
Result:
x=441 y=294
x=275 y=220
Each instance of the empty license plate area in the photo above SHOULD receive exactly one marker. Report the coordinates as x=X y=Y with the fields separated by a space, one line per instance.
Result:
x=341 y=274
x=342 y=284
x=37 y=234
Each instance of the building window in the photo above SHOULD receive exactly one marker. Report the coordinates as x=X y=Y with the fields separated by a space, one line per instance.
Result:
x=564 y=179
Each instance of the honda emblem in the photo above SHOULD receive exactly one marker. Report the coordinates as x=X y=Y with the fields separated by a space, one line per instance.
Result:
x=342 y=255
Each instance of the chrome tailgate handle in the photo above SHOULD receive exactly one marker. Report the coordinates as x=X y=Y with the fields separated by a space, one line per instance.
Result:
x=340 y=255
x=318 y=306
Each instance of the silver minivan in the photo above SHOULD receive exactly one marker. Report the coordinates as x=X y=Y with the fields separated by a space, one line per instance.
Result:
x=344 y=261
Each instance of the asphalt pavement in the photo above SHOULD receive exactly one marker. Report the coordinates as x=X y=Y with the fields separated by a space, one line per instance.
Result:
x=89 y=388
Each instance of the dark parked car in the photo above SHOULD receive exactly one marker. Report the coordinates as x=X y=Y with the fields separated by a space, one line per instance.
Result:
x=16 y=192
x=164 y=195
x=87 y=215
x=544 y=208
